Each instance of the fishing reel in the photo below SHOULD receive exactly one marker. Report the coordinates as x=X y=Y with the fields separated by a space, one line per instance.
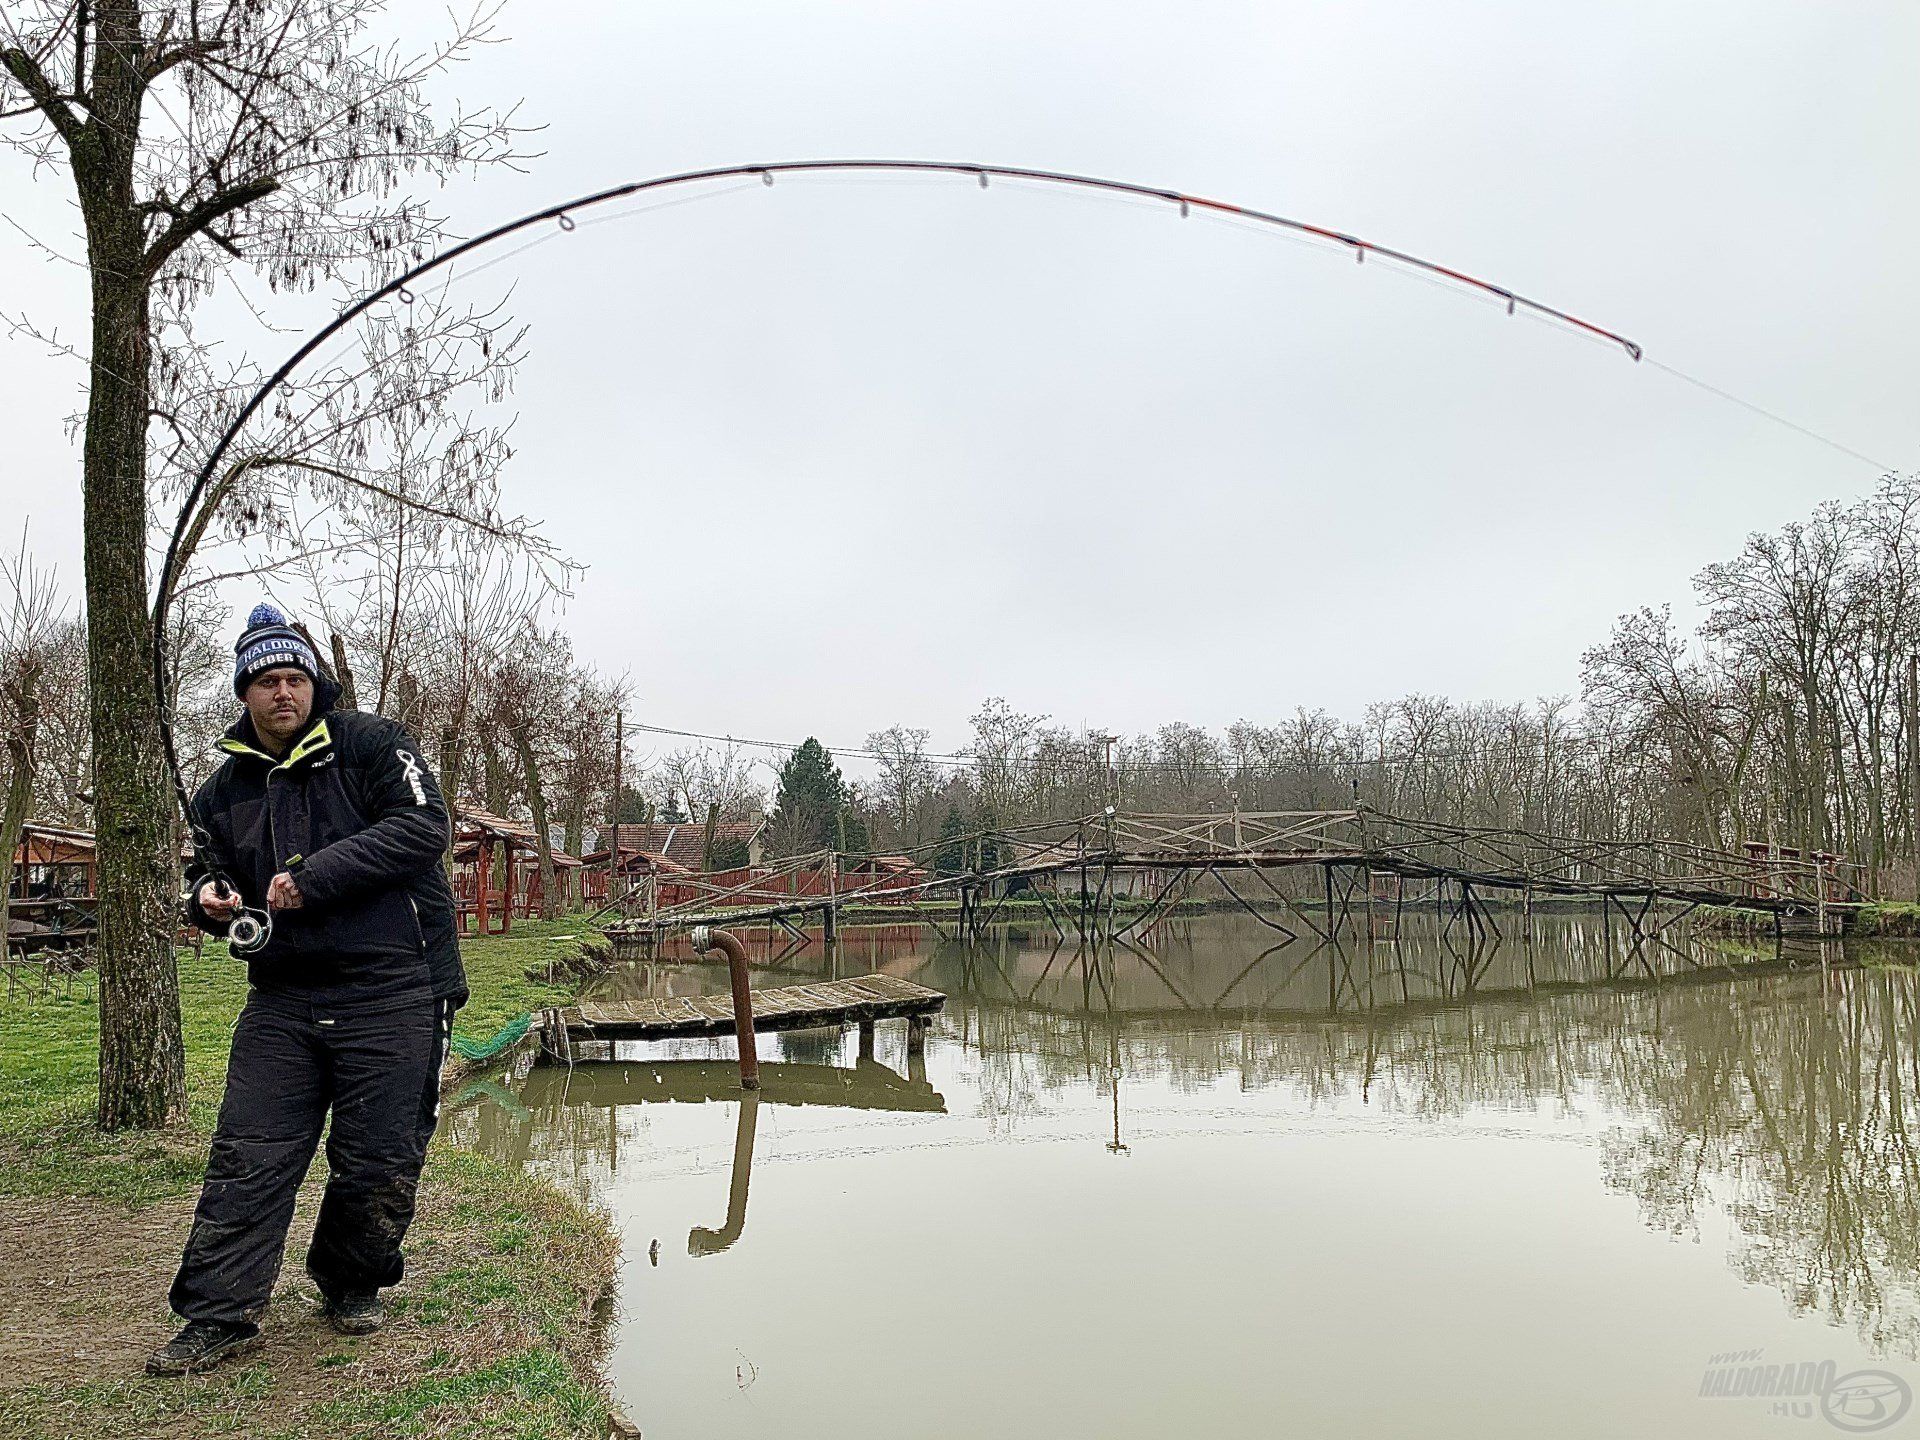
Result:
x=249 y=930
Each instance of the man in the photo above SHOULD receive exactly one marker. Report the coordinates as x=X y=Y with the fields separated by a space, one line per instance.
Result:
x=329 y=821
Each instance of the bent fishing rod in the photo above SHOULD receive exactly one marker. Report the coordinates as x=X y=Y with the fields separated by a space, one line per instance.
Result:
x=563 y=215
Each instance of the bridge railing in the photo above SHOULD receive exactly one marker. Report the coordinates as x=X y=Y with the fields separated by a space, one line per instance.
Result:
x=1507 y=858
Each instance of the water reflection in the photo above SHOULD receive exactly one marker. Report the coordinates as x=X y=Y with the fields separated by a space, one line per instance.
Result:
x=1758 y=1099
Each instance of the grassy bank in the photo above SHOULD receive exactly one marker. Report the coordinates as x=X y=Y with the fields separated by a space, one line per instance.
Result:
x=491 y=1335
x=1888 y=920
x=1732 y=920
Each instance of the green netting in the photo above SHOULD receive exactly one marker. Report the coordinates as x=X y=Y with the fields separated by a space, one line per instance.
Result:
x=505 y=1038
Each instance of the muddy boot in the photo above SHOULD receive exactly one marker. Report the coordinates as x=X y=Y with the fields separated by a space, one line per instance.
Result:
x=357 y=1312
x=201 y=1346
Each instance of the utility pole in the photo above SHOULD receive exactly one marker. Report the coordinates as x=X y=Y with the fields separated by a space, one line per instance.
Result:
x=613 y=843
x=1913 y=762
x=1109 y=787
x=1109 y=795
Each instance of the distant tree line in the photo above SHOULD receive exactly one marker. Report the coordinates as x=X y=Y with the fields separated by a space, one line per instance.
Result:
x=1788 y=715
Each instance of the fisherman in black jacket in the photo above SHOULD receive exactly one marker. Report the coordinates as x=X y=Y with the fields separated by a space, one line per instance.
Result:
x=331 y=821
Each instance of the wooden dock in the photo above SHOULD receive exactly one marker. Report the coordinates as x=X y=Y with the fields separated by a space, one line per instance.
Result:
x=861 y=1001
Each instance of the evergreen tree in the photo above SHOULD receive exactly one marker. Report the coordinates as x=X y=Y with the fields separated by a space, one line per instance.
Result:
x=986 y=854
x=810 y=807
x=951 y=858
x=731 y=854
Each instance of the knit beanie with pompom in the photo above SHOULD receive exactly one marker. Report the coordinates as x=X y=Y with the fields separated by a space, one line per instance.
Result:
x=268 y=643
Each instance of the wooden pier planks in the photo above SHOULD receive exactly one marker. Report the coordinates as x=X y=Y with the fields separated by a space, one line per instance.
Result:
x=788 y=1007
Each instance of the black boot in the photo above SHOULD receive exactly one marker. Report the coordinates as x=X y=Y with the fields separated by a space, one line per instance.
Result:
x=355 y=1312
x=201 y=1346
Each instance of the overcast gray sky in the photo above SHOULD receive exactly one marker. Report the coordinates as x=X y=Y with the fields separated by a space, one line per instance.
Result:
x=844 y=454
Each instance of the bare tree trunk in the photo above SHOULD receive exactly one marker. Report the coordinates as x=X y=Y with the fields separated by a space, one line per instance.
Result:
x=576 y=834
x=537 y=802
x=343 y=672
x=451 y=760
x=14 y=815
x=142 y=1062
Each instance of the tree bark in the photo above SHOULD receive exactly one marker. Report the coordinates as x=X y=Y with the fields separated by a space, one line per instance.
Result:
x=537 y=802
x=14 y=815
x=343 y=673
x=142 y=1061
x=576 y=834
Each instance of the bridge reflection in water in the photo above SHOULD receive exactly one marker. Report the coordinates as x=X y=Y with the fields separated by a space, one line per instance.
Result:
x=1760 y=1099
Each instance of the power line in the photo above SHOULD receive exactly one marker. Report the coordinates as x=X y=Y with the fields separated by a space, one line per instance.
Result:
x=1500 y=749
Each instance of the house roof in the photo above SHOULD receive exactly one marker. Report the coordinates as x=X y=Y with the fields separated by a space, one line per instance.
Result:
x=53 y=845
x=683 y=844
x=470 y=821
x=893 y=864
x=637 y=862
x=471 y=824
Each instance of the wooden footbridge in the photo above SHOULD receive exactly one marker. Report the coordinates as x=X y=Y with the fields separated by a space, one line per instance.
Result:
x=1077 y=870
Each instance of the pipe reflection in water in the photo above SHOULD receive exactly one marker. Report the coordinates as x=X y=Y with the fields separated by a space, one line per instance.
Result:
x=552 y=1099
x=701 y=1240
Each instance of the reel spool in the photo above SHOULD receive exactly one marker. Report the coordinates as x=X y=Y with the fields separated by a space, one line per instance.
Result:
x=249 y=931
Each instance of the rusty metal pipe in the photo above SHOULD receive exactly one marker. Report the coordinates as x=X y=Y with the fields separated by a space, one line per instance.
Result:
x=706 y=938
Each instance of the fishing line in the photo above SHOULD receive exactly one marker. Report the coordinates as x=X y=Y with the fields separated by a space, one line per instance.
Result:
x=566 y=218
x=1766 y=414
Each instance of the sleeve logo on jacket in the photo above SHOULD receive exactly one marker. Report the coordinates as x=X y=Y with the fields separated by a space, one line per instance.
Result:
x=411 y=768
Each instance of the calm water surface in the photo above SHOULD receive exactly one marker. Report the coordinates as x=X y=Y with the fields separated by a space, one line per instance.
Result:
x=1209 y=1186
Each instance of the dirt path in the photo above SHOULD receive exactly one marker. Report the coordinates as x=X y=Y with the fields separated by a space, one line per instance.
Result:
x=83 y=1300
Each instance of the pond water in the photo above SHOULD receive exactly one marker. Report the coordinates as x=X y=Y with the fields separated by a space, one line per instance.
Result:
x=1210 y=1185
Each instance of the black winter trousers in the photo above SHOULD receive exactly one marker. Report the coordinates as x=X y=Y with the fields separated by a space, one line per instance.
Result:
x=293 y=1061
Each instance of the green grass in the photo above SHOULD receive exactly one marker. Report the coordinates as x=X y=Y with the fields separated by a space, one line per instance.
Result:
x=506 y=1269
x=1890 y=919
x=497 y=971
x=49 y=1041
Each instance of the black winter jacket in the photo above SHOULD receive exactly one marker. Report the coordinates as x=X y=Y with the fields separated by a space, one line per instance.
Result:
x=356 y=817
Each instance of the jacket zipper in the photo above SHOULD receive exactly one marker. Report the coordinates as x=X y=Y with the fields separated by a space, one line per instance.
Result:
x=419 y=934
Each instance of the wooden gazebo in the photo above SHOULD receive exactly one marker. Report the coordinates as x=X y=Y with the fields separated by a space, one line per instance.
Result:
x=496 y=871
x=52 y=881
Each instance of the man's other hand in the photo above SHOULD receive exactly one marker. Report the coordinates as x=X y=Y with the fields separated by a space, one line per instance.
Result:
x=216 y=905
x=283 y=894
